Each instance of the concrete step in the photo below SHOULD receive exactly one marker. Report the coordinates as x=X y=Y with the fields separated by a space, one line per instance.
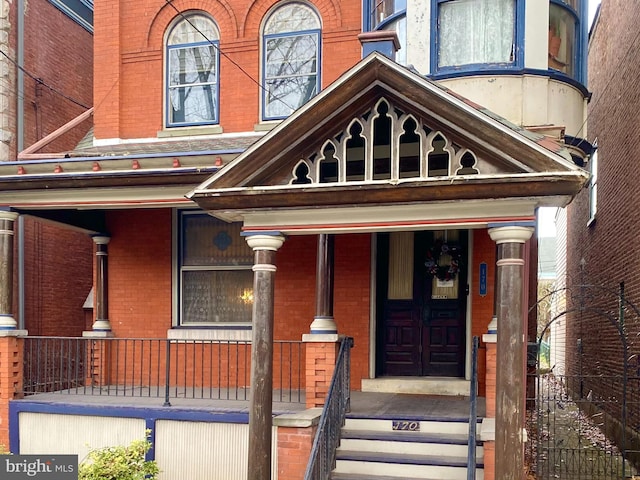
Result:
x=448 y=426
x=453 y=445
x=429 y=450
x=403 y=466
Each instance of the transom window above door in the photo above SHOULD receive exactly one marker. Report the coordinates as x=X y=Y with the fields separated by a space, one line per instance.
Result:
x=291 y=53
x=192 y=58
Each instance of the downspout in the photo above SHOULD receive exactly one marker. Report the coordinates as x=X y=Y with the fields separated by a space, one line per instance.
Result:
x=19 y=147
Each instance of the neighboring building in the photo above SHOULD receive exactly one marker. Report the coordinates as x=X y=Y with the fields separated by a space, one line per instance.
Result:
x=46 y=80
x=602 y=346
x=390 y=192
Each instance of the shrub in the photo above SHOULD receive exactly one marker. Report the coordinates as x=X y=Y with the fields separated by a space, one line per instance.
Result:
x=119 y=463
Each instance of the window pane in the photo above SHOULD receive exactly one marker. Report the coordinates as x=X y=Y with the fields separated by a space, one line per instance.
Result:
x=193 y=104
x=193 y=29
x=562 y=34
x=476 y=31
x=192 y=65
x=221 y=296
x=211 y=242
x=382 y=9
x=293 y=17
x=290 y=73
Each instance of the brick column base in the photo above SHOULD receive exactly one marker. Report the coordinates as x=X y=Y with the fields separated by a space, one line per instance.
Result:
x=490 y=374
x=321 y=355
x=11 y=376
x=296 y=432
x=98 y=371
x=489 y=460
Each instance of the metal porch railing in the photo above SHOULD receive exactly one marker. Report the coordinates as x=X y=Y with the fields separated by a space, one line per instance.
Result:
x=337 y=404
x=156 y=368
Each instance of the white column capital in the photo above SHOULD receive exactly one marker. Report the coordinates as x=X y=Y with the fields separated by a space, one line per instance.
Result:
x=265 y=242
x=510 y=234
x=101 y=239
x=11 y=216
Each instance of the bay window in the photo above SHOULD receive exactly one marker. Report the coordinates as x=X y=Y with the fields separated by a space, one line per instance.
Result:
x=475 y=32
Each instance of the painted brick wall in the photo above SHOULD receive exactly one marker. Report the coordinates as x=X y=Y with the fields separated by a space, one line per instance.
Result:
x=605 y=252
x=57 y=278
x=125 y=61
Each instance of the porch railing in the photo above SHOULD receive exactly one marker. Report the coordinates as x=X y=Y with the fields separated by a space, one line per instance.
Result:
x=473 y=412
x=337 y=404
x=156 y=368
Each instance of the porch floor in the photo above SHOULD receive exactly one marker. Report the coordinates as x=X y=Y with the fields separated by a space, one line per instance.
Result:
x=363 y=404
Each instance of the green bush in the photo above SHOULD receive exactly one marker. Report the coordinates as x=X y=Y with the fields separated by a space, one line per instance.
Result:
x=119 y=463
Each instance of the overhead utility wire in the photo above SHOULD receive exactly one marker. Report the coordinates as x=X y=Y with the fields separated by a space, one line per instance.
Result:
x=606 y=87
x=43 y=83
x=224 y=54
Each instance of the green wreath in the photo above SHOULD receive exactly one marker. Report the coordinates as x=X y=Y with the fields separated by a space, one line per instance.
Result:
x=443 y=272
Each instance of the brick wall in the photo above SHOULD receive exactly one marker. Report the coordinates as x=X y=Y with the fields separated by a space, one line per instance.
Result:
x=60 y=52
x=604 y=252
x=484 y=251
x=58 y=265
x=124 y=62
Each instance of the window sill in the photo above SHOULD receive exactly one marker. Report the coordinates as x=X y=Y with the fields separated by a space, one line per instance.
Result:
x=230 y=332
x=189 y=131
x=266 y=126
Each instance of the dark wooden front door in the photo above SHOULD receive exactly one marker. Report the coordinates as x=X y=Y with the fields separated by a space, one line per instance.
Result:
x=421 y=320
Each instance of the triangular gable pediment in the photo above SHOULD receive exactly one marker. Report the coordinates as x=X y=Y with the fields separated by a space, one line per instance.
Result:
x=380 y=129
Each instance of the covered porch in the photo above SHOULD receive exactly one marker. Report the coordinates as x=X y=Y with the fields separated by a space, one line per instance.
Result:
x=347 y=207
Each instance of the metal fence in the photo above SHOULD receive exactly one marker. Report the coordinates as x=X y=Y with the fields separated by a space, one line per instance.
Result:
x=156 y=368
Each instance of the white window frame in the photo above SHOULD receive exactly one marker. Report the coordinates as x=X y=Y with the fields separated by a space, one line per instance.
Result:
x=593 y=184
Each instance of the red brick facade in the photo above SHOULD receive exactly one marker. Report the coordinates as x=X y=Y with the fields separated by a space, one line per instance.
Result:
x=125 y=62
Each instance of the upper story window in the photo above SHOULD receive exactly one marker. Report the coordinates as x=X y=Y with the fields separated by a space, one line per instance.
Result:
x=291 y=51
x=390 y=15
x=215 y=276
x=80 y=11
x=563 y=35
x=192 y=72
x=593 y=184
x=475 y=33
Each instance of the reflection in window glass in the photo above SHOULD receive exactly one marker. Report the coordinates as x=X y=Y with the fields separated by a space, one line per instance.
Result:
x=292 y=51
x=216 y=280
x=383 y=9
x=192 y=72
x=562 y=38
x=476 y=31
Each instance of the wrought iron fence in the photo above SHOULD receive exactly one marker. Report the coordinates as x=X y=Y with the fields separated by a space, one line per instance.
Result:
x=337 y=404
x=156 y=368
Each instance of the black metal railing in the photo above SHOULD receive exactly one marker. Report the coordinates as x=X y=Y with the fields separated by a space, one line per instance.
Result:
x=156 y=368
x=473 y=412
x=337 y=404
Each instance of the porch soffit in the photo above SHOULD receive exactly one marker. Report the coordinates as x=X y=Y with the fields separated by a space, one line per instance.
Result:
x=488 y=158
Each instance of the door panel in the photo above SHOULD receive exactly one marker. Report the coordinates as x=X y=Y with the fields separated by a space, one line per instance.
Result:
x=422 y=335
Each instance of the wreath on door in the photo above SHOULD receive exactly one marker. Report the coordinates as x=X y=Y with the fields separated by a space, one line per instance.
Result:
x=448 y=271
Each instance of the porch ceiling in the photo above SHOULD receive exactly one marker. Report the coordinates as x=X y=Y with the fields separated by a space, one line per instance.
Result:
x=516 y=163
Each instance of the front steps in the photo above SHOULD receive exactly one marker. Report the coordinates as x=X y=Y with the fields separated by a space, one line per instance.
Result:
x=371 y=449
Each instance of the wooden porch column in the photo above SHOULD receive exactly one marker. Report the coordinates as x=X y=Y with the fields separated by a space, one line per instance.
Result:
x=101 y=323
x=323 y=322
x=261 y=397
x=510 y=375
x=7 y=321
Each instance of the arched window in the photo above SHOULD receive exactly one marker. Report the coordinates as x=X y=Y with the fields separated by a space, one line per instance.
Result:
x=291 y=52
x=192 y=72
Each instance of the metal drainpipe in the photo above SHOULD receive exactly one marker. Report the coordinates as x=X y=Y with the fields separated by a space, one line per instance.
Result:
x=21 y=323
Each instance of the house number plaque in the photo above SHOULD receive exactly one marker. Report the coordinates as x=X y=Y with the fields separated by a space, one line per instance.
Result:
x=409 y=426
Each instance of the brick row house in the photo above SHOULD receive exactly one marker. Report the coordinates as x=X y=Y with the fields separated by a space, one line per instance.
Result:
x=263 y=173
